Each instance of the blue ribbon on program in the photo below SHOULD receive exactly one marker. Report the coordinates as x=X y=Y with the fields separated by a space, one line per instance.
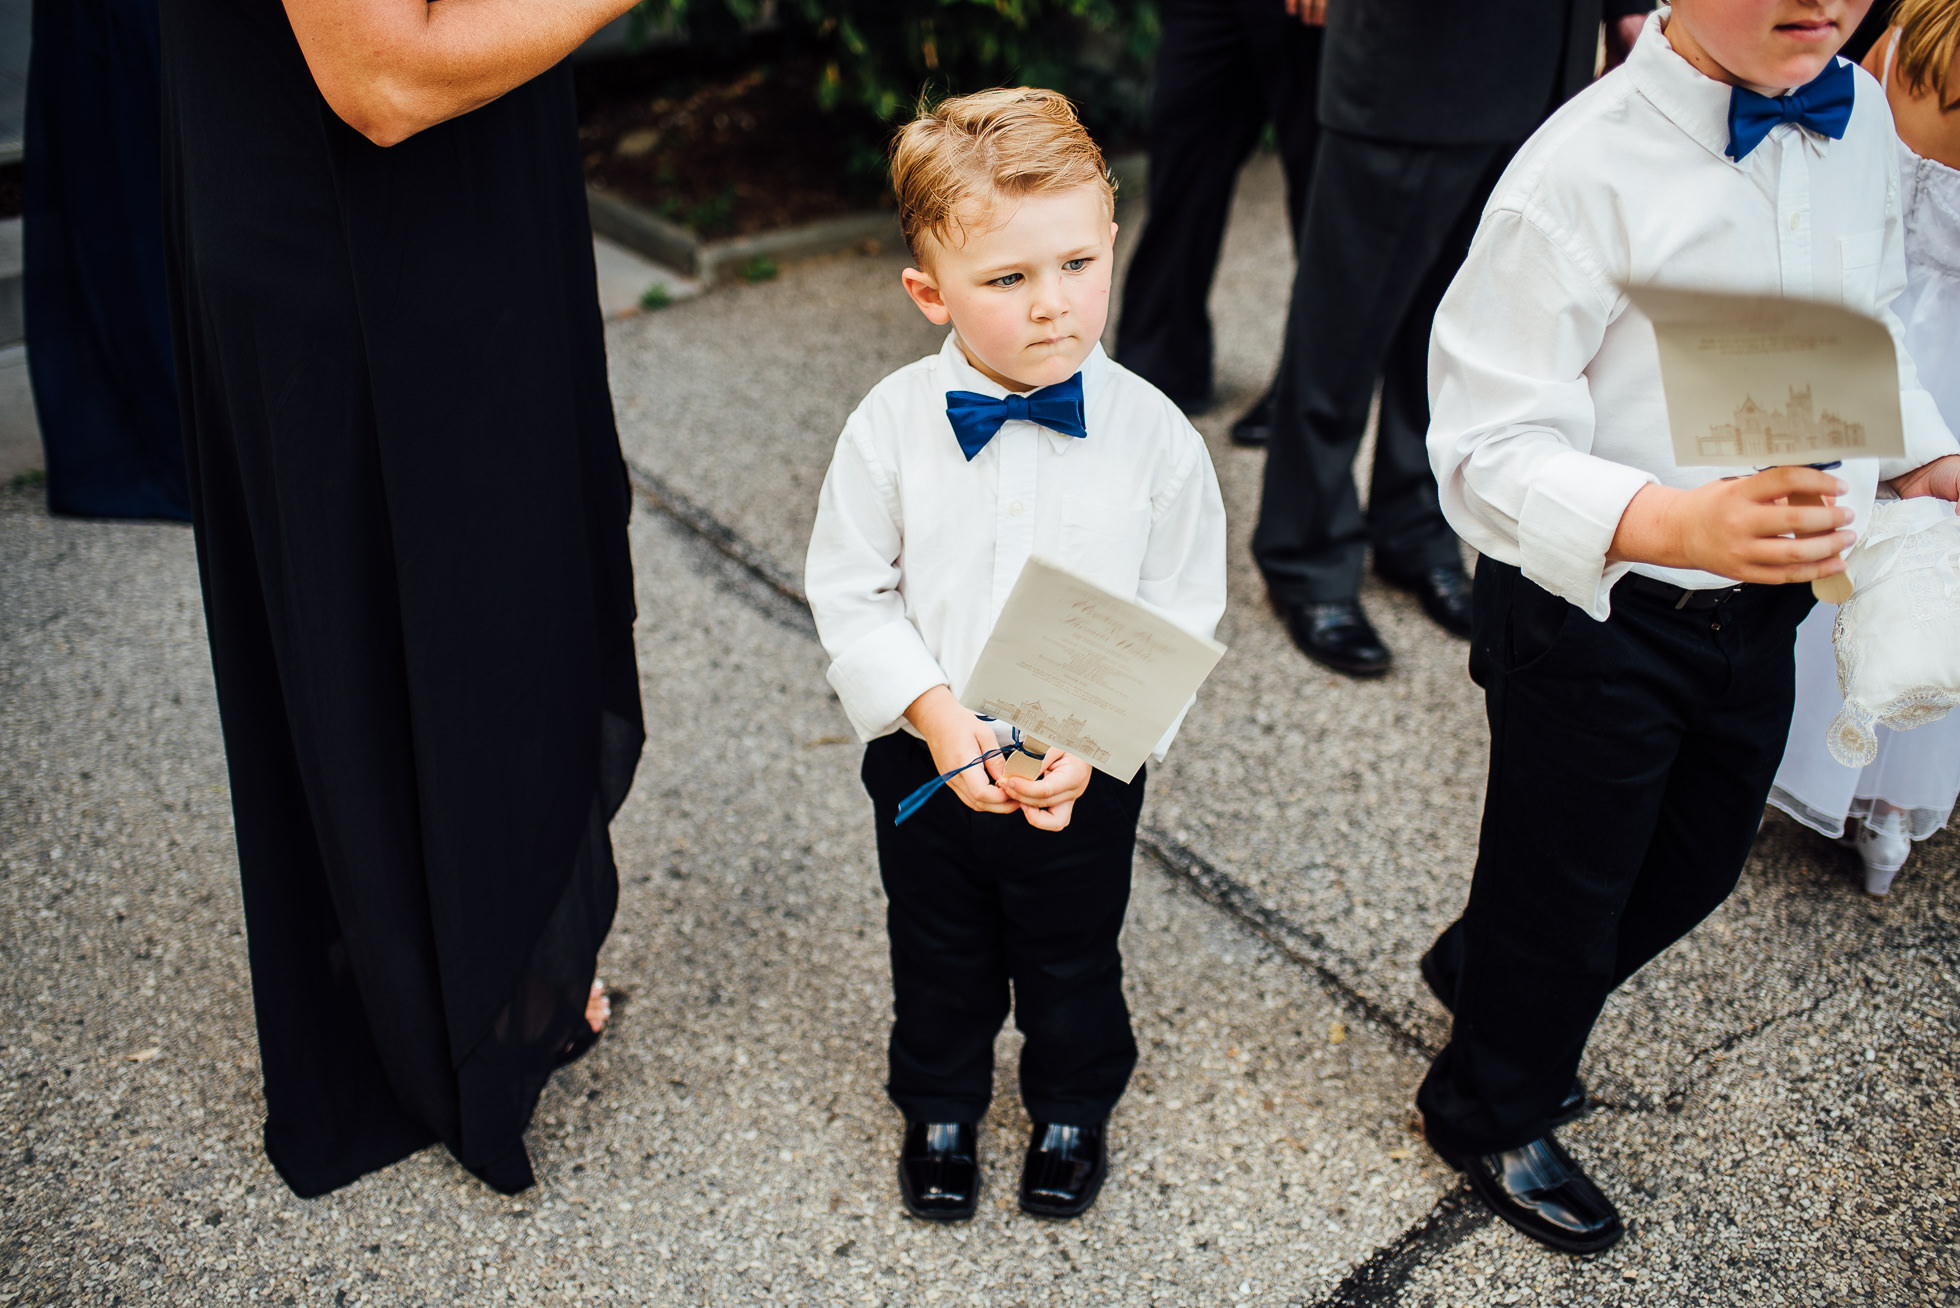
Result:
x=915 y=801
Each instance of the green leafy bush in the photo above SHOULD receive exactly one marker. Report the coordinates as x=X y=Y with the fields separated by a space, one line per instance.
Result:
x=880 y=56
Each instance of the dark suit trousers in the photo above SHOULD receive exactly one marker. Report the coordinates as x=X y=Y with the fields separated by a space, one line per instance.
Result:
x=981 y=904
x=1225 y=68
x=1387 y=226
x=1629 y=762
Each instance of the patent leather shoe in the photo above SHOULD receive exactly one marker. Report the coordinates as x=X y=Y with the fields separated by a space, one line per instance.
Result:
x=1337 y=635
x=939 y=1170
x=1064 y=1169
x=1444 y=594
x=1542 y=1191
x=1570 y=1109
x=1255 y=425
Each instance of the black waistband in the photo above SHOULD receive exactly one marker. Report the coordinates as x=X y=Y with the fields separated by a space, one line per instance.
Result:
x=1680 y=597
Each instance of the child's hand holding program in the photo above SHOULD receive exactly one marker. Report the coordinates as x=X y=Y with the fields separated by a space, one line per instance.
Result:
x=956 y=737
x=1740 y=527
x=1049 y=800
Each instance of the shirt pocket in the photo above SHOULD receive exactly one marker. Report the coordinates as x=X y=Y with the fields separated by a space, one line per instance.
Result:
x=1105 y=541
x=1861 y=255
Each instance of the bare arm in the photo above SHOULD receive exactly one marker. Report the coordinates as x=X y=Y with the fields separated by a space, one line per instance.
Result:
x=1735 y=527
x=391 y=68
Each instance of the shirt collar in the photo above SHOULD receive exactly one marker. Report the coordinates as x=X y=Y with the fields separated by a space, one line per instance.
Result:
x=1689 y=98
x=963 y=376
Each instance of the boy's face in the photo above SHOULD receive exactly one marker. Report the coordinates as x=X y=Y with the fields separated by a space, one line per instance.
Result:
x=1029 y=295
x=1766 y=45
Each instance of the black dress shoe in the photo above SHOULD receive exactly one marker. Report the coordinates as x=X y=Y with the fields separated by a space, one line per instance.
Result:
x=1443 y=592
x=1338 y=636
x=939 y=1170
x=1256 y=424
x=1570 y=1109
x=1541 y=1190
x=1063 y=1171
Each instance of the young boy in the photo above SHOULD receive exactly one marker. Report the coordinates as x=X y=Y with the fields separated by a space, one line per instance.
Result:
x=1019 y=436
x=1634 y=619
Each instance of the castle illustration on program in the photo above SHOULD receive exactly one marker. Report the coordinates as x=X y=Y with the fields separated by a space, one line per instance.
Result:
x=1796 y=428
x=1042 y=725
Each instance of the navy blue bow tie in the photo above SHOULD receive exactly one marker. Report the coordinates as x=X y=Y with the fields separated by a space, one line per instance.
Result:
x=976 y=417
x=1822 y=104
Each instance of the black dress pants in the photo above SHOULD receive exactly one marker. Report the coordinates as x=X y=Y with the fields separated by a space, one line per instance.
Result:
x=982 y=902
x=1387 y=226
x=1629 y=762
x=1225 y=68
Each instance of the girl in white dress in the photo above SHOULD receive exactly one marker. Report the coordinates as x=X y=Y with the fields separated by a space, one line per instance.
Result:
x=1907 y=793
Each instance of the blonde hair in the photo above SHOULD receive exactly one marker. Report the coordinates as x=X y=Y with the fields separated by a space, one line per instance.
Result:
x=1929 y=40
x=1001 y=144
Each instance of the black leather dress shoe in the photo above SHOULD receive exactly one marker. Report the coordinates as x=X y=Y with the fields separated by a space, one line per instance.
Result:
x=1256 y=424
x=1541 y=1190
x=939 y=1170
x=1063 y=1171
x=1570 y=1109
x=1444 y=594
x=1337 y=635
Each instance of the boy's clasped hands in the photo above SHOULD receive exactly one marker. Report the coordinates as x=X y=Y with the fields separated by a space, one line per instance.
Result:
x=956 y=737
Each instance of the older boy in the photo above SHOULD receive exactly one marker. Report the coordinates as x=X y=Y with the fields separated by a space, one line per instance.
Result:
x=1018 y=436
x=1634 y=619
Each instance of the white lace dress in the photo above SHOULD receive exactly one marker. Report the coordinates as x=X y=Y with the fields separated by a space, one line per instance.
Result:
x=1910 y=788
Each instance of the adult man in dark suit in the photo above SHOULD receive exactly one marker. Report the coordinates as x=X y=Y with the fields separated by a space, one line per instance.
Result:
x=1418 y=117
x=1225 y=69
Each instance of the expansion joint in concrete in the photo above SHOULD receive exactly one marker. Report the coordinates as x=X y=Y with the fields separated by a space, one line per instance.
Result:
x=1378 y=1282
x=656 y=491
x=1307 y=948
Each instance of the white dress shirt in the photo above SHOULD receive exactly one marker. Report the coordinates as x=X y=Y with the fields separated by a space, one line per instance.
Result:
x=1547 y=414
x=915 y=549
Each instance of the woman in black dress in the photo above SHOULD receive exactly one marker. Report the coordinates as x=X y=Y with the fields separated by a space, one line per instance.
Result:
x=411 y=527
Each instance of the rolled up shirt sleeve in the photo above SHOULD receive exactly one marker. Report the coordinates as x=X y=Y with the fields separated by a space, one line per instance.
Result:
x=879 y=661
x=1511 y=412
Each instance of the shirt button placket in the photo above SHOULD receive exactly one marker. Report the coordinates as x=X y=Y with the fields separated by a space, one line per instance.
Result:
x=1013 y=523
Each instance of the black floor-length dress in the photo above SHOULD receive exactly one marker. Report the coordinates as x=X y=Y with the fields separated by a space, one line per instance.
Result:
x=411 y=525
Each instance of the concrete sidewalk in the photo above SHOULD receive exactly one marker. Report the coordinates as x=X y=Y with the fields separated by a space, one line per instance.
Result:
x=1781 y=1093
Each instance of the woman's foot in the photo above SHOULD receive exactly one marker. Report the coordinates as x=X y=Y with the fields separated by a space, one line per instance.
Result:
x=1883 y=854
x=598 y=1008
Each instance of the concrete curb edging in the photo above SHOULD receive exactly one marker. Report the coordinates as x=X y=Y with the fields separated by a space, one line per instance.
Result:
x=670 y=244
x=673 y=246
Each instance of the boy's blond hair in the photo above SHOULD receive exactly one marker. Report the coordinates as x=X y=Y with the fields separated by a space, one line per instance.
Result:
x=1929 y=38
x=1007 y=143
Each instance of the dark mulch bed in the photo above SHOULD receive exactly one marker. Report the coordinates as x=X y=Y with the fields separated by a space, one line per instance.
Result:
x=726 y=147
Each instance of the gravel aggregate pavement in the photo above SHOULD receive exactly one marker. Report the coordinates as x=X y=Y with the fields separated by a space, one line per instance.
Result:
x=1778 y=1094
